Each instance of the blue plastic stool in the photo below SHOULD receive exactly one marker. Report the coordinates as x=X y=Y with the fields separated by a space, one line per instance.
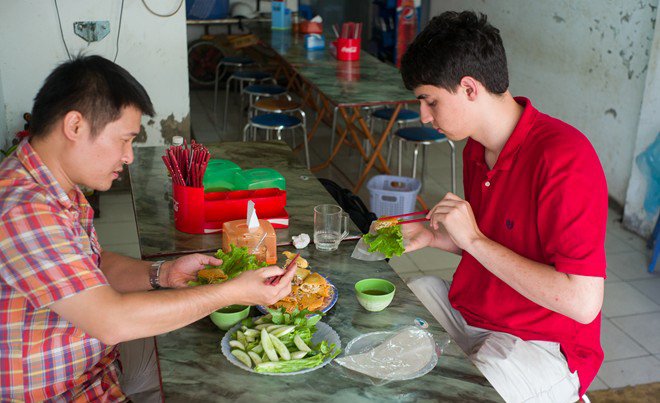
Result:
x=423 y=136
x=242 y=78
x=403 y=118
x=276 y=122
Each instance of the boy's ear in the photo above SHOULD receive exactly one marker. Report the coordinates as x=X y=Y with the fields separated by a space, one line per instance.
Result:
x=470 y=86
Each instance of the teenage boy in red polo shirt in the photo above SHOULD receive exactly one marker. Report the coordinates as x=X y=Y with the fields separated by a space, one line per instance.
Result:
x=526 y=297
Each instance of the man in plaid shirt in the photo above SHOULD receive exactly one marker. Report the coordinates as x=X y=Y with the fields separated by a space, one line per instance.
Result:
x=76 y=321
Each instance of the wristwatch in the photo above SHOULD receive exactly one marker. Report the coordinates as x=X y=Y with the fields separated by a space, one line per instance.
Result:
x=154 y=274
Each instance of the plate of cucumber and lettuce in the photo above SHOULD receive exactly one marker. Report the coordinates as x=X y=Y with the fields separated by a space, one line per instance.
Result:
x=281 y=343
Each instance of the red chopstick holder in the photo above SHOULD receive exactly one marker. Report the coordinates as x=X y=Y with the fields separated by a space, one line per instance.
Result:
x=276 y=279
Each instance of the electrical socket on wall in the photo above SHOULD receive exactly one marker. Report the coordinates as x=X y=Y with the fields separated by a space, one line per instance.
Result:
x=91 y=31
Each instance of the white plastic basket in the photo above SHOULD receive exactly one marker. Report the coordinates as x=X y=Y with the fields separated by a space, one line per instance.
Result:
x=392 y=195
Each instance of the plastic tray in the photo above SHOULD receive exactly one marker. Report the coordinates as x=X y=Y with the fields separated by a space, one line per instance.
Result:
x=196 y=212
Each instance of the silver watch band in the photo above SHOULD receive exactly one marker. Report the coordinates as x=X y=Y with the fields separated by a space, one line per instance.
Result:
x=154 y=274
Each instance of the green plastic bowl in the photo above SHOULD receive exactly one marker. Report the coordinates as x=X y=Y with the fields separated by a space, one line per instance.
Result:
x=374 y=294
x=228 y=316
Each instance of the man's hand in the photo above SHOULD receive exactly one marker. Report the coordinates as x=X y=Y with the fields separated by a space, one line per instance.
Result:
x=250 y=287
x=457 y=217
x=177 y=273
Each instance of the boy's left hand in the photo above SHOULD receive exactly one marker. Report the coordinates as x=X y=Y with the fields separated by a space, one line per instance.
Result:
x=456 y=215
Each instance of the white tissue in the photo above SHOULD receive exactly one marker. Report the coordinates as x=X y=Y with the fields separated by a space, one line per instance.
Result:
x=300 y=241
x=318 y=19
x=252 y=219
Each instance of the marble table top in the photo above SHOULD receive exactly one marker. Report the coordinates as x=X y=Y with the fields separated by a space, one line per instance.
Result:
x=153 y=210
x=193 y=368
x=367 y=81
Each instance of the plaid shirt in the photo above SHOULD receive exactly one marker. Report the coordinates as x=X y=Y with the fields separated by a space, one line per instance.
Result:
x=48 y=251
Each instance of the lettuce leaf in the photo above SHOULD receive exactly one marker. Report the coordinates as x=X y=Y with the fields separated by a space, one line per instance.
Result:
x=387 y=240
x=235 y=262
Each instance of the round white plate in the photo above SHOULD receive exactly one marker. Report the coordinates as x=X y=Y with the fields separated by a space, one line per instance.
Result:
x=323 y=332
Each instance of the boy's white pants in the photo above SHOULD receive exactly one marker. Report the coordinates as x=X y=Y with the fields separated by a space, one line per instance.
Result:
x=520 y=371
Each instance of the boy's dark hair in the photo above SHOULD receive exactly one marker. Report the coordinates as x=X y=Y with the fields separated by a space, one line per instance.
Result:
x=96 y=87
x=454 y=45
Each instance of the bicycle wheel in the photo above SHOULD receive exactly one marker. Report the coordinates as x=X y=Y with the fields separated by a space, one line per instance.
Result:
x=203 y=57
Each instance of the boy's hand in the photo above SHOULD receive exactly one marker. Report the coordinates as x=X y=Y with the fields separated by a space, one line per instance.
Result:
x=457 y=217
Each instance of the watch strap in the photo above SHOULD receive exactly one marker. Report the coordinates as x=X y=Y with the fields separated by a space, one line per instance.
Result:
x=154 y=274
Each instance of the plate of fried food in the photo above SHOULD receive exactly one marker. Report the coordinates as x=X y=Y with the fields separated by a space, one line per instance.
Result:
x=309 y=290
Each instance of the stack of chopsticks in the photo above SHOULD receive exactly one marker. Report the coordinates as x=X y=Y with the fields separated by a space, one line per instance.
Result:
x=401 y=222
x=187 y=165
x=349 y=30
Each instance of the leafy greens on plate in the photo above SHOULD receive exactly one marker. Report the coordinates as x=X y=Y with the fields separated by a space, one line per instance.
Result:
x=281 y=342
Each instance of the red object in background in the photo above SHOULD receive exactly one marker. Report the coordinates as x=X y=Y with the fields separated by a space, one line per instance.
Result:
x=347 y=49
x=406 y=29
x=307 y=27
x=196 y=212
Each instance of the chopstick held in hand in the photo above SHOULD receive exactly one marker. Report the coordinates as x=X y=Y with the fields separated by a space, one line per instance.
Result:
x=276 y=279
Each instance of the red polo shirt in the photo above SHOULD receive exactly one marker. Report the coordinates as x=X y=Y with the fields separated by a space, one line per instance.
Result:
x=545 y=199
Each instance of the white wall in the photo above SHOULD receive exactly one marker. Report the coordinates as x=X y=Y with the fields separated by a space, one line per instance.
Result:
x=151 y=48
x=584 y=62
x=635 y=216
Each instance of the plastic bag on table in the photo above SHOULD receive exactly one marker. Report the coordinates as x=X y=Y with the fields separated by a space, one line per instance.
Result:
x=361 y=252
x=378 y=358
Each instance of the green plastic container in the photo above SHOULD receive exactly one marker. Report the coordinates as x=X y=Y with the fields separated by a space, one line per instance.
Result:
x=219 y=176
x=260 y=178
x=224 y=175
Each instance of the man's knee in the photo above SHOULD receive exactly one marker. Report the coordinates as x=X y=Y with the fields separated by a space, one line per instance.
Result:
x=139 y=379
x=429 y=285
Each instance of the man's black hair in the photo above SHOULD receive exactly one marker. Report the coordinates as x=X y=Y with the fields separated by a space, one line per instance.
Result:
x=454 y=45
x=96 y=87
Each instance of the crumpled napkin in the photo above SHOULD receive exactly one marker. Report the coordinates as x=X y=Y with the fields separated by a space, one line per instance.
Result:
x=300 y=241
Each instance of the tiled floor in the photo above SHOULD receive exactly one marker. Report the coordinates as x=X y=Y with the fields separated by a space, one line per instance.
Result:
x=631 y=311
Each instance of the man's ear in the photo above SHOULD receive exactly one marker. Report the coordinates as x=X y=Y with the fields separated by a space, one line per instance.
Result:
x=470 y=86
x=74 y=125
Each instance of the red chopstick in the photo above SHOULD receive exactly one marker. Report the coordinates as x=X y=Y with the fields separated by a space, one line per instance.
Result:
x=412 y=221
x=276 y=279
x=424 y=212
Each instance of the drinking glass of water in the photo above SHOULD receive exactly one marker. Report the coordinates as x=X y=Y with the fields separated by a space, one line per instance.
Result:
x=330 y=226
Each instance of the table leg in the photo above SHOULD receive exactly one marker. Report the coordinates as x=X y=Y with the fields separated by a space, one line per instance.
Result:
x=376 y=152
x=340 y=141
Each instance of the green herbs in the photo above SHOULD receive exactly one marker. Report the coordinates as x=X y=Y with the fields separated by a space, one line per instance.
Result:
x=280 y=342
x=387 y=240
x=236 y=261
